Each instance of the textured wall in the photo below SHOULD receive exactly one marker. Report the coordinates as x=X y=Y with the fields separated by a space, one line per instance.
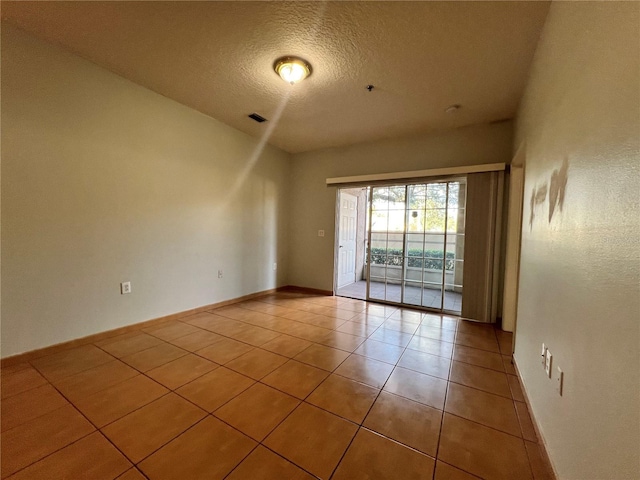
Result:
x=104 y=181
x=580 y=265
x=313 y=203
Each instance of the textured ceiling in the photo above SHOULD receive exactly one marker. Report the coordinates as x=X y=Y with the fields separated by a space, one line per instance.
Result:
x=217 y=57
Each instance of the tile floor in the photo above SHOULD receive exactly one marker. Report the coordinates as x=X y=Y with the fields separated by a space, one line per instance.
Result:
x=284 y=387
x=391 y=292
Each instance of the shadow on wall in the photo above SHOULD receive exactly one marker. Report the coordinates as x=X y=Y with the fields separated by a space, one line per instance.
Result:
x=554 y=190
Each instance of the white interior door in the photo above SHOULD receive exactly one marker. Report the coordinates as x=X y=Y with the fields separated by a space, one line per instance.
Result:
x=347 y=239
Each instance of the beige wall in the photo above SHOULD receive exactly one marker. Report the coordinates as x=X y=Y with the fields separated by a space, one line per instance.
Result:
x=104 y=181
x=313 y=203
x=579 y=280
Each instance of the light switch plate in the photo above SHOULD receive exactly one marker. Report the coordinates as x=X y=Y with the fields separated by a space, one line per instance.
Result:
x=321 y=233
x=547 y=363
x=559 y=380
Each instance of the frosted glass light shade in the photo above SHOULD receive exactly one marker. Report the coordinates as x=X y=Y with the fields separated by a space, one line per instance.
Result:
x=292 y=70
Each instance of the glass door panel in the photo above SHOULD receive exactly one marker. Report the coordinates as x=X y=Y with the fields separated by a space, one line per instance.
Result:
x=417 y=244
x=387 y=243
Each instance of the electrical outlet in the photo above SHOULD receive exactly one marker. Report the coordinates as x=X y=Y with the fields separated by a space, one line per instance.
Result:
x=321 y=233
x=275 y=266
x=559 y=380
x=543 y=355
x=219 y=273
x=547 y=363
x=125 y=288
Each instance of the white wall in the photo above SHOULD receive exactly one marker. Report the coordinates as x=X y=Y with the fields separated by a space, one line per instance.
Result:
x=313 y=203
x=104 y=181
x=580 y=271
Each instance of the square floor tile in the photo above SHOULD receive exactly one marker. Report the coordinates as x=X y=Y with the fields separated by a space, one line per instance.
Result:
x=445 y=471
x=358 y=329
x=365 y=370
x=407 y=316
x=344 y=397
x=256 y=336
x=224 y=351
x=507 y=361
x=154 y=357
x=295 y=378
x=481 y=378
x=440 y=321
x=196 y=341
x=117 y=401
x=92 y=457
x=215 y=388
x=286 y=345
x=485 y=408
x=34 y=440
x=68 y=362
x=429 y=345
x=208 y=450
x=373 y=456
x=263 y=464
x=406 y=421
x=516 y=389
x=313 y=439
x=483 y=451
x=257 y=363
x=182 y=370
x=132 y=474
x=526 y=425
x=425 y=363
x=540 y=467
x=18 y=381
x=392 y=337
x=129 y=344
x=381 y=351
x=145 y=430
x=436 y=333
x=28 y=405
x=342 y=341
x=474 y=340
x=257 y=410
x=170 y=330
x=95 y=379
x=205 y=320
x=323 y=357
x=417 y=386
x=480 y=358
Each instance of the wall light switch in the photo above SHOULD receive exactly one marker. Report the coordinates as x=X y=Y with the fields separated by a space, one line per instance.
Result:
x=559 y=379
x=321 y=233
x=543 y=355
x=547 y=364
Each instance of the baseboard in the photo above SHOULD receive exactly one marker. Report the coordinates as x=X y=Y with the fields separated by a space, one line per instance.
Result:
x=96 y=337
x=310 y=291
x=541 y=442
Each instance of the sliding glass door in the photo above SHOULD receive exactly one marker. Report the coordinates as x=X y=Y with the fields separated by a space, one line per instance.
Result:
x=416 y=240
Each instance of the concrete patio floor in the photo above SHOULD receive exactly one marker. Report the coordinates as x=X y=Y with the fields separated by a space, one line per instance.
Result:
x=412 y=295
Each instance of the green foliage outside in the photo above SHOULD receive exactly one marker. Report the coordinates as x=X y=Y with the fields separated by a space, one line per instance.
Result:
x=393 y=257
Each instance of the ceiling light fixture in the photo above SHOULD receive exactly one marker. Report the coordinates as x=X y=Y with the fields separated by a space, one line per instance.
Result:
x=292 y=69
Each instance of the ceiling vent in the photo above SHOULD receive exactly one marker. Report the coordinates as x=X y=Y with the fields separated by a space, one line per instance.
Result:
x=257 y=118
